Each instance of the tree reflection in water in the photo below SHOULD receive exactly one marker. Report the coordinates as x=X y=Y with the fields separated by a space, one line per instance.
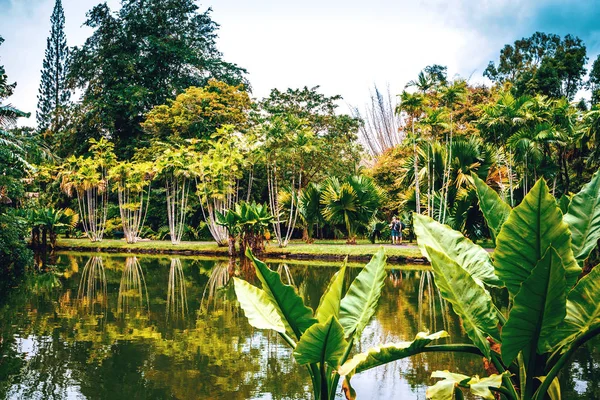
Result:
x=92 y=295
x=130 y=302
x=176 y=295
x=50 y=351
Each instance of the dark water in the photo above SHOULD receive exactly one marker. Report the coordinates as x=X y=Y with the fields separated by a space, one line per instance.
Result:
x=160 y=328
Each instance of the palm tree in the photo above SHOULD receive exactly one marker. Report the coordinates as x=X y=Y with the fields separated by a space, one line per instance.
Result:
x=451 y=95
x=412 y=104
x=352 y=203
x=310 y=210
x=499 y=121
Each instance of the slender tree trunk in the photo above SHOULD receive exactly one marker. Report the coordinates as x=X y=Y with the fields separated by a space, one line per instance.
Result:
x=416 y=168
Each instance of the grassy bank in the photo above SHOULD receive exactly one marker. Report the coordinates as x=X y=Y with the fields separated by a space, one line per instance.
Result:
x=325 y=250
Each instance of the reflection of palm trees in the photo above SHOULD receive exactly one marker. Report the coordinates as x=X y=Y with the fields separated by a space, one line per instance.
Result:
x=432 y=292
x=91 y=295
x=176 y=295
x=284 y=272
x=132 y=288
x=218 y=279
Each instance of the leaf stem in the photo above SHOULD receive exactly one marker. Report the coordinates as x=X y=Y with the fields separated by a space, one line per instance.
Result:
x=578 y=342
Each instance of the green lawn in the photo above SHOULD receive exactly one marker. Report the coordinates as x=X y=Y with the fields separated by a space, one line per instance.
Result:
x=295 y=248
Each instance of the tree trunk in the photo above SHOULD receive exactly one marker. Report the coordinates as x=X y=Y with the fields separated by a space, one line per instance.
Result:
x=416 y=167
x=231 y=243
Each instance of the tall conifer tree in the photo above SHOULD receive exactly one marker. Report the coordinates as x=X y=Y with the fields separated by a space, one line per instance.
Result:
x=53 y=93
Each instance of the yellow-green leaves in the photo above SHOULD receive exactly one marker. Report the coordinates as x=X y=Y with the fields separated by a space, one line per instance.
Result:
x=531 y=228
x=360 y=303
x=258 y=309
x=583 y=219
x=446 y=388
x=322 y=342
x=386 y=353
x=471 y=257
x=538 y=308
x=469 y=300
x=289 y=305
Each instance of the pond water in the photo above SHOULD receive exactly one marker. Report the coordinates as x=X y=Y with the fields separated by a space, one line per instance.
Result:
x=117 y=327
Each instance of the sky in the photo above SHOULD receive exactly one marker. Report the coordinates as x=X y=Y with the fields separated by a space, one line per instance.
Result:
x=345 y=46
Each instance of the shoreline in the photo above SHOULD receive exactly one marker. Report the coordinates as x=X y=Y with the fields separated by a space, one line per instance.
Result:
x=407 y=254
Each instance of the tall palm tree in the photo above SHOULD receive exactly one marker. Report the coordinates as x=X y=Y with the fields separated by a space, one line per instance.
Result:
x=451 y=95
x=412 y=105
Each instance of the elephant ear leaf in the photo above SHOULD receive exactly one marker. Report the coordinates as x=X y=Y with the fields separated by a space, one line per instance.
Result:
x=360 y=302
x=583 y=219
x=538 y=308
x=289 y=305
x=563 y=203
x=322 y=342
x=531 y=228
x=446 y=388
x=469 y=300
x=471 y=257
x=386 y=353
x=494 y=209
x=330 y=302
x=261 y=313
x=583 y=311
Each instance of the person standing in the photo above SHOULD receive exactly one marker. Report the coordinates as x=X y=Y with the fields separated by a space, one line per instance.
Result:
x=395 y=227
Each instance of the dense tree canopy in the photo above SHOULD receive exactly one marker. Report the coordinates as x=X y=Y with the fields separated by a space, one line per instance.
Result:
x=138 y=58
x=543 y=63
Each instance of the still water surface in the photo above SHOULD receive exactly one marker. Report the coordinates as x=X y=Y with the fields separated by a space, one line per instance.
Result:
x=116 y=327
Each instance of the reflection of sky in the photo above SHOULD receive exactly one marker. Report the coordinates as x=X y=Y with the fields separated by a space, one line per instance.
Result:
x=343 y=45
x=28 y=347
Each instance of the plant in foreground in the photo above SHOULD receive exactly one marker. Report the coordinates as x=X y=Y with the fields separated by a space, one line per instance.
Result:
x=538 y=258
x=322 y=340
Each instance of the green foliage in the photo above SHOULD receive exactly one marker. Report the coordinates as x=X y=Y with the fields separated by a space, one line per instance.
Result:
x=551 y=315
x=494 y=209
x=525 y=238
x=543 y=63
x=456 y=247
x=14 y=254
x=583 y=218
x=138 y=58
x=53 y=92
x=351 y=203
x=199 y=112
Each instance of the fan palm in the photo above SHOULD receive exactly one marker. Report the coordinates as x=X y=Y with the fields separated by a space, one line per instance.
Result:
x=351 y=203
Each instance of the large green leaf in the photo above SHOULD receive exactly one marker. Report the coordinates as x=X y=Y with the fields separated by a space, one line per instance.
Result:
x=322 y=342
x=583 y=311
x=469 y=300
x=531 y=228
x=294 y=314
x=360 y=302
x=563 y=203
x=494 y=209
x=261 y=313
x=386 y=353
x=583 y=219
x=456 y=247
x=538 y=308
x=330 y=302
